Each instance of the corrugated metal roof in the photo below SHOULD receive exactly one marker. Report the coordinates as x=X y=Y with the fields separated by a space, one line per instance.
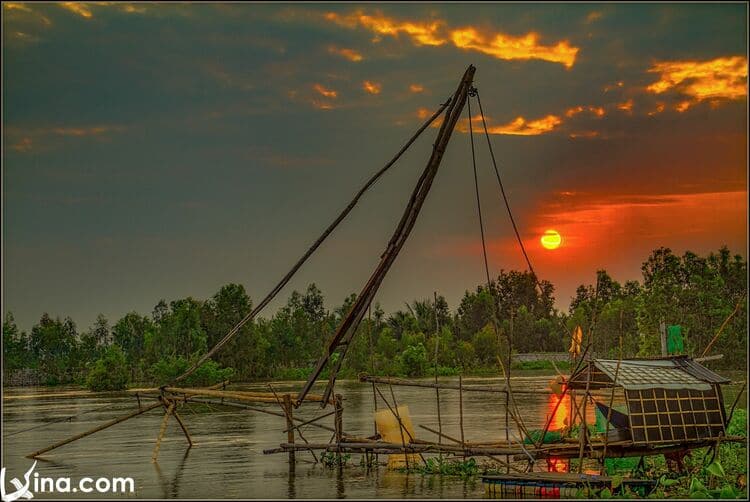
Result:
x=661 y=373
x=699 y=371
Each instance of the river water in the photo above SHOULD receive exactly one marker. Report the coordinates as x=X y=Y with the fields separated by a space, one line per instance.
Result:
x=227 y=460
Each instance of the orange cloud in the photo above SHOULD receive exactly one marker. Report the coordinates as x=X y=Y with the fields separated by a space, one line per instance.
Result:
x=349 y=54
x=724 y=77
x=371 y=87
x=627 y=106
x=323 y=91
x=510 y=47
x=659 y=108
x=322 y=105
x=24 y=145
x=82 y=131
x=682 y=106
x=415 y=88
x=584 y=134
x=435 y=33
x=16 y=6
x=520 y=126
x=596 y=110
x=594 y=16
x=421 y=33
x=25 y=10
x=77 y=8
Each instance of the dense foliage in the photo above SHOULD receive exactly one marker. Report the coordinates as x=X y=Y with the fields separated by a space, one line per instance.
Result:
x=698 y=293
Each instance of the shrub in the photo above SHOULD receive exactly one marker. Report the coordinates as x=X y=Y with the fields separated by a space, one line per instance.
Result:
x=110 y=372
x=414 y=360
x=209 y=373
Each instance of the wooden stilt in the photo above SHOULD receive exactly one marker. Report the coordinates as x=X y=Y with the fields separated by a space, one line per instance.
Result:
x=177 y=417
x=461 y=410
x=162 y=430
x=583 y=434
x=289 y=424
x=338 y=422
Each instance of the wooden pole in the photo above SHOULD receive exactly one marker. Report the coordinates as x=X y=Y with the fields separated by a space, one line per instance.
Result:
x=584 y=426
x=723 y=325
x=106 y=425
x=461 y=409
x=338 y=422
x=290 y=418
x=288 y=411
x=374 y=414
x=437 y=389
x=180 y=422
x=663 y=337
x=401 y=427
x=401 y=382
x=609 y=411
x=162 y=430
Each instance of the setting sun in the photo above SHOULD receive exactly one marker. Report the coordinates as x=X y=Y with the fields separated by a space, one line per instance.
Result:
x=551 y=239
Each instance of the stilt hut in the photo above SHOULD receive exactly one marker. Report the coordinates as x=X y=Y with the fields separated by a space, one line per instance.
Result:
x=670 y=401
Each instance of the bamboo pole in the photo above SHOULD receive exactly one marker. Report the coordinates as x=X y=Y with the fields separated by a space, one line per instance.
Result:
x=461 y=410
x=259 y=397
x=179 y=420
x=348 y=326
x=106 y=425
x=562 y=396
x=338 y=423
x=723 y=325
x=398 y=418
x=289 y=424
x=290 y=418
x=609 y=411
x=401 y=382
x=162 y=430
x=501 y=462
x=261 y=410
x=308 y=422
x=584 y=427
x=400 y=426
x=437 y=388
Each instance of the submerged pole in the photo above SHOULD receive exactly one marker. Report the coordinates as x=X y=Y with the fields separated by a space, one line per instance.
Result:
x=106 y=425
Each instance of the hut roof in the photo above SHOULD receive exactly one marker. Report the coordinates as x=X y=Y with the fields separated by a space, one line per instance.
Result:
x=679 y=372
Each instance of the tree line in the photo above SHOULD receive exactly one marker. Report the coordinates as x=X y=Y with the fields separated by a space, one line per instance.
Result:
x=514 y=312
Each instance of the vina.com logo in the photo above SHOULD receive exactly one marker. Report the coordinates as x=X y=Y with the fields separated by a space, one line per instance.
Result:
x=34 y=483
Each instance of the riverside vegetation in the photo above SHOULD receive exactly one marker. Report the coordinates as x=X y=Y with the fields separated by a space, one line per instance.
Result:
x=696 y=292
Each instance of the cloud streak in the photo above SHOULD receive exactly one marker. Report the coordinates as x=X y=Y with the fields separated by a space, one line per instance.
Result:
x=435 y=32
x=345 y=53
x=720 y=78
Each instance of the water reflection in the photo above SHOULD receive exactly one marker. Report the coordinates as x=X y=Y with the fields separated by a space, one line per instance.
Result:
x=560 y=407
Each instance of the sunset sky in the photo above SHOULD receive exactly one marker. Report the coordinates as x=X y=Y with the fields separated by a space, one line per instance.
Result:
x=161 y=151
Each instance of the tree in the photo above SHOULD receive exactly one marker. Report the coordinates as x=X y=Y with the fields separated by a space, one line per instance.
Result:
x=52 y=343
x=15 y=346
x=129 y=333
x=110 y=372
